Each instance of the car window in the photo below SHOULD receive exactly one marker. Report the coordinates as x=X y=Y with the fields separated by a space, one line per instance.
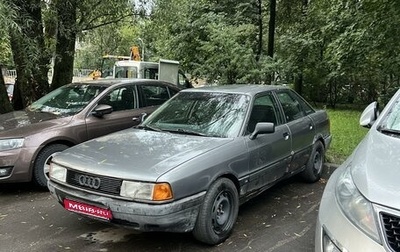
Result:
x=125 y=72
x=392 y=121
x=172 y=91
x=122 y=98
x=303 y=104
x=291 y=106
x=150 y=73
x=211 y=114
x=67 y=100
x=153 y=95
x=264 y=110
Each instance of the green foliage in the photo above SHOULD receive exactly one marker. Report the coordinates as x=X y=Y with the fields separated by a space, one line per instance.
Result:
x=113 y=39
x=338 y=51
x=215 y=41
x=6 y=21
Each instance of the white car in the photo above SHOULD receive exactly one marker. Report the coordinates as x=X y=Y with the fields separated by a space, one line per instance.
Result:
x=360 y=207
x=10 y=90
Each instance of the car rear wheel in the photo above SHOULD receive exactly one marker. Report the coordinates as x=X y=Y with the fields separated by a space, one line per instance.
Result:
x=218 y=213
x=42 y=163
x=315 y=164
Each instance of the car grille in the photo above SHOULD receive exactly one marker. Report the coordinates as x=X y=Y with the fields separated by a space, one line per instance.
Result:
x=391 y=228
x=107 y=185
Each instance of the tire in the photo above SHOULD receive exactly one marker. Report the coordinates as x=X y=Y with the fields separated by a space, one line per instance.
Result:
x=218 y=213
x=41 y=166
x=315 y=164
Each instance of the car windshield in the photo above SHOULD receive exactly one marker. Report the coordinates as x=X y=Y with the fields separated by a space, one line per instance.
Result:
x=201 y=113
x=126 y=72
x=67 y=100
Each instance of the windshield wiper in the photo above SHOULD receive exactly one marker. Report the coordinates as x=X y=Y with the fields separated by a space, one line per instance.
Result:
x=389 y=131
x=147 y=127
x=187 y=132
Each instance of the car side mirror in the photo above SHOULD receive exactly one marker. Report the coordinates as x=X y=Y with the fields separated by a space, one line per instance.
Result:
x=262 y=128
x=101 y=110
x=369 y=115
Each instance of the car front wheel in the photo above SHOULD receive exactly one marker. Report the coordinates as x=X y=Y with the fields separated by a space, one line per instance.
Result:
x=42 y=163
x=315 y=164
x=218 y=213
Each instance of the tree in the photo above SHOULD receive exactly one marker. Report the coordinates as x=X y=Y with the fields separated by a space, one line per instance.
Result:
x=5 y=54
x=75 y=17
x=31 y=57
x=220 y=41
x=65 y=42
x=331 y=51
x=32 y=44
x=5 y=105
x=271 y=31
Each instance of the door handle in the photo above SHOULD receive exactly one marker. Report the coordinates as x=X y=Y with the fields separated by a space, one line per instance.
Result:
x=286 y=135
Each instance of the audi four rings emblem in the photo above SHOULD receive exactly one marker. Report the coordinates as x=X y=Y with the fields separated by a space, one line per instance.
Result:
x=89 y=181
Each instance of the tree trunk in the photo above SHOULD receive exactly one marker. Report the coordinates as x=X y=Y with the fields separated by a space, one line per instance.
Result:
x=298 y=79
x=5 y=105
x=260 y=30
x=271 y=35
x=30 y=54
x=298 y=83
x=65 y=47
x=271 y=31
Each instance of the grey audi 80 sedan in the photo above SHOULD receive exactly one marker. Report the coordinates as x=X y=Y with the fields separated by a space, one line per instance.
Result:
x=191 y=163
x=70 y=115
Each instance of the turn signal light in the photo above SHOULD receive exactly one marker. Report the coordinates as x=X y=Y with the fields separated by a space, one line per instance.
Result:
x=162 y=191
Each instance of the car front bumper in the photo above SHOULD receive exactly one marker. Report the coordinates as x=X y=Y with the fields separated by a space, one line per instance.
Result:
x=15 y=165
x=177 y=216
x=334 y=231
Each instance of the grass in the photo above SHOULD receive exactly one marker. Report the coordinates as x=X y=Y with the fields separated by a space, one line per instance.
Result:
x=346 y=133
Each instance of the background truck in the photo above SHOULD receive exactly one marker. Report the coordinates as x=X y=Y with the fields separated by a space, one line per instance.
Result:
x=132 y=67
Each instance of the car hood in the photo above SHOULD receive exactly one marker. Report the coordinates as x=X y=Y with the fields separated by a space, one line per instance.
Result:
x=25 y=122
x=375 y=168
x=135 y=154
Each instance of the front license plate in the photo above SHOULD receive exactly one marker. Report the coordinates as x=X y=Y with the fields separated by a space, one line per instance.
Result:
x=87 y=209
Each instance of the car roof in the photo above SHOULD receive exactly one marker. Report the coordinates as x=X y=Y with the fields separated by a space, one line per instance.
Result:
x=116 y=81
x=248 y=89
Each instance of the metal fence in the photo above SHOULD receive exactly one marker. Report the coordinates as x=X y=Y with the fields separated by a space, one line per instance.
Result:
x=77 y=72
x=9 y=73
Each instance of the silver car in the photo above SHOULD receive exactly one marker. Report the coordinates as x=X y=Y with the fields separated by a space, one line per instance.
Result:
x=191 y=163
x=360 y=207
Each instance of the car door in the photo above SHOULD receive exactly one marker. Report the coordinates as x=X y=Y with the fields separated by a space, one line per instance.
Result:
x=124 y=101
x=269 y=154
x=302 y=128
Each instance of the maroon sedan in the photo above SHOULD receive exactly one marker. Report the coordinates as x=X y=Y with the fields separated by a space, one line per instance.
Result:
x=70 y=115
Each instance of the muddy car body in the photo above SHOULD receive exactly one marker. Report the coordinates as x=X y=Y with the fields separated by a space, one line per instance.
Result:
x=190 y=164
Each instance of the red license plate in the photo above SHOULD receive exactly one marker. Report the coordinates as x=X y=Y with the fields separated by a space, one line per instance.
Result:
x=86 y=209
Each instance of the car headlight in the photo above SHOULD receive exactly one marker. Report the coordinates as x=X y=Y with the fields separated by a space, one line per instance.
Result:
x=357 y=208
x=58 y=172
x=9 y=144
x=146 y=191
